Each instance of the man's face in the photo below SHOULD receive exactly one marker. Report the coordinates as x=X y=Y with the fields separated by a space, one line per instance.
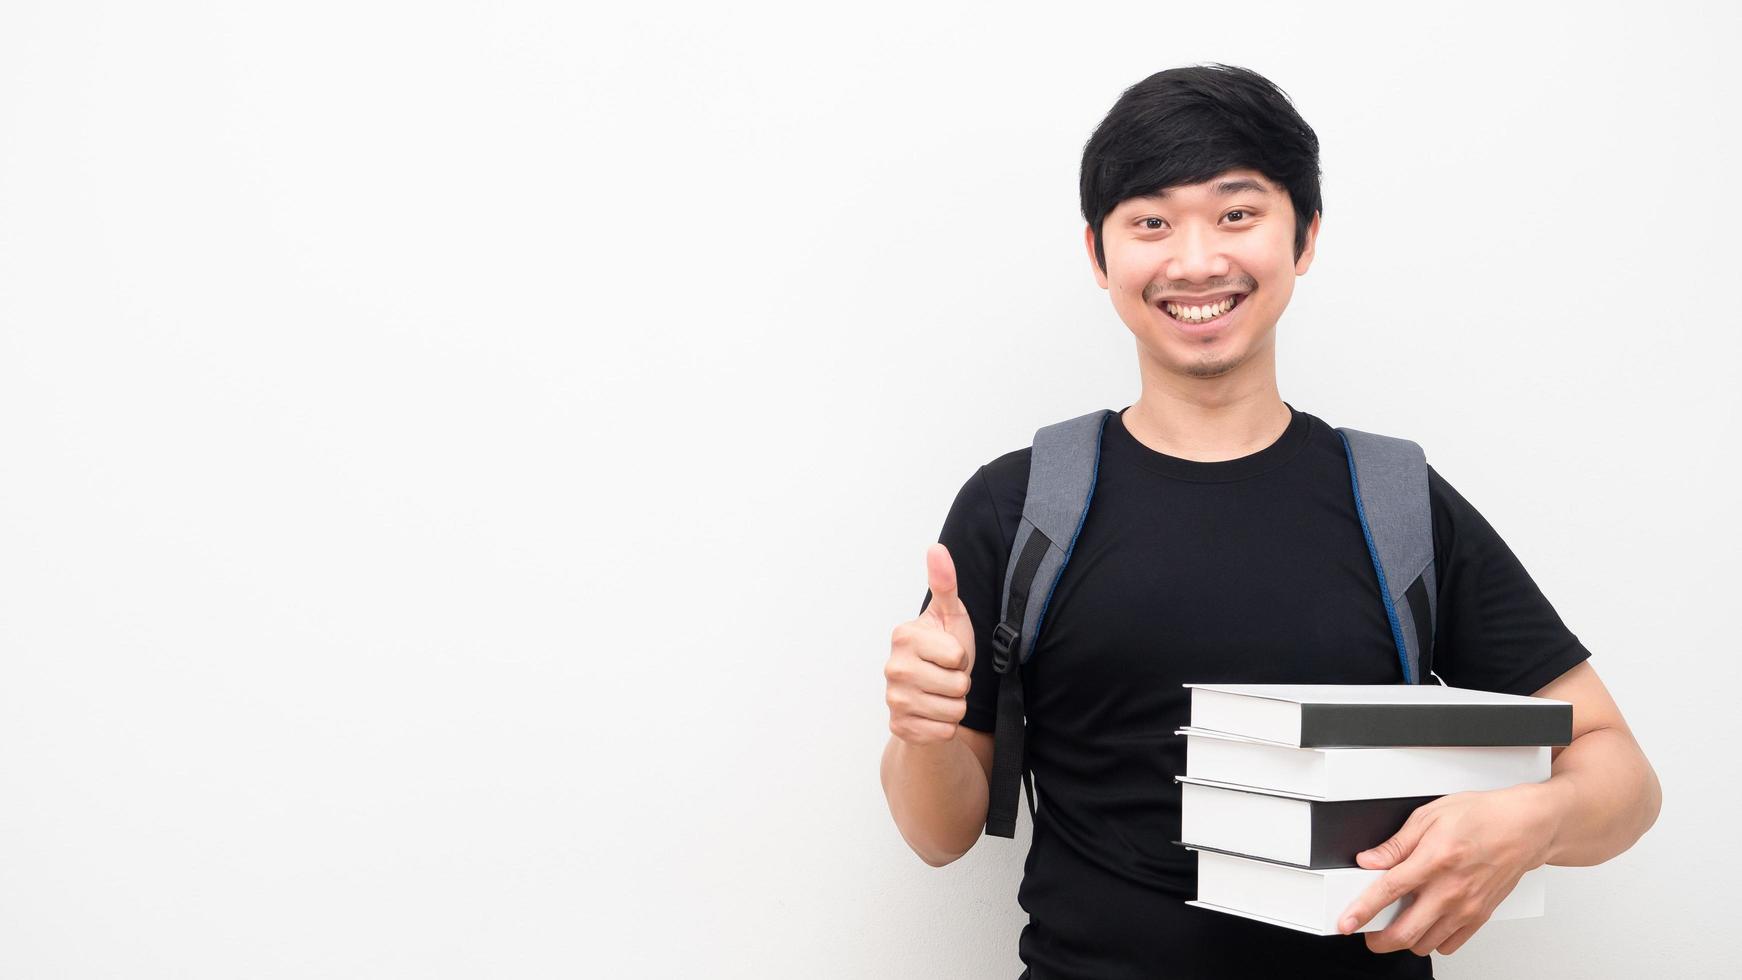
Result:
x=1231 y=237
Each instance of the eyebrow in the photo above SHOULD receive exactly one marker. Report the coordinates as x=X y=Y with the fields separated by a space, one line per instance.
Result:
x=1222 y=188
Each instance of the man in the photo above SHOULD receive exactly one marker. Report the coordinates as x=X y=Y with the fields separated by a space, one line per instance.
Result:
x=1222 y=544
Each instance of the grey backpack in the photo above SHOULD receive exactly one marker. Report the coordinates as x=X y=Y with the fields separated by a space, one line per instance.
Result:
x=1389 y=480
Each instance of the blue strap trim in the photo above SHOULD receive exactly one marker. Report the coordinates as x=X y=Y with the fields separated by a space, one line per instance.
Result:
x=1094 y=473
x=1373 y=553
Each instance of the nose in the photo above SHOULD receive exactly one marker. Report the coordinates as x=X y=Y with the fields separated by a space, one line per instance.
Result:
x=1196 y=255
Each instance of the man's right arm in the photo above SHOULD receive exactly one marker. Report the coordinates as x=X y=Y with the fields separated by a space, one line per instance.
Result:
x=935 y=770
x=937 y=792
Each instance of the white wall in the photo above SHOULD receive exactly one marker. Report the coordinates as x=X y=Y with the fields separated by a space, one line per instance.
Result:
x=460 y=463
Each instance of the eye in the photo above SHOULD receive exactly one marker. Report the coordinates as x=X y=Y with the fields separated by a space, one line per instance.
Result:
x=1149 y=227
x=1238 y=211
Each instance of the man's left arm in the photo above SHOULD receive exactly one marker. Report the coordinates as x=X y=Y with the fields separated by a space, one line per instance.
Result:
x=1608 y=794
x=1461 y=854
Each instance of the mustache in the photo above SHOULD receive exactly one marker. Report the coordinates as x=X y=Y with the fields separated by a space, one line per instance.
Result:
x=1244 y=283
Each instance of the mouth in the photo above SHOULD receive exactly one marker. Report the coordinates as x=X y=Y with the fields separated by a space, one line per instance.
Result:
x=1203 y=315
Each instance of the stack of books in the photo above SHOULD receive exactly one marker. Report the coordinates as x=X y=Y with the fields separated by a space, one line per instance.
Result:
x=1286 y=783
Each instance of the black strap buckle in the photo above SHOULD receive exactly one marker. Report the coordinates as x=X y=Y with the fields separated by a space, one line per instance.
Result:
x=1004 y=640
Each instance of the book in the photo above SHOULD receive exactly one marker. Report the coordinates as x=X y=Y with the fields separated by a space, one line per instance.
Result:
x=1348 y=715
x=1313 y=900
x=1287 y=828
x=1361 y=773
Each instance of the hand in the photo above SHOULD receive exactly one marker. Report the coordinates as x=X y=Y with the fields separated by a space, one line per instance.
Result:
x=1460 y=855
x=931 y=659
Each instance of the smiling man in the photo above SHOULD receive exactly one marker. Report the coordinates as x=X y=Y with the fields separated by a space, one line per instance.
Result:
x=1222 y=544
x=1206 y=333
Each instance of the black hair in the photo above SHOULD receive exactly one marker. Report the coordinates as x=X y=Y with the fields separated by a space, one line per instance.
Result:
x=1185 y=126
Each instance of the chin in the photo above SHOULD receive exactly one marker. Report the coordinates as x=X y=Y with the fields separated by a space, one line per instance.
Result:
x=1212 y=367
x=1203 y=360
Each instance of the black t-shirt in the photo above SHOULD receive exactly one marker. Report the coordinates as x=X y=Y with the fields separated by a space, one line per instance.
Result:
x=1250 y=570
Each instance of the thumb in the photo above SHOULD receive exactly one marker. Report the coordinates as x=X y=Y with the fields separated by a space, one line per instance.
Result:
x=946 y=607
x=946 y=604
x=1395 y=848
x=940 y=575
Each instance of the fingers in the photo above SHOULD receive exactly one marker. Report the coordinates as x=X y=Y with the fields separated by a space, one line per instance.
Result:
x=920 y=717
x=1405 y=875
x=928 y=707
x=1430 y=920
x=919 y=731
x=1436 y=934
x=1400 y=845
x=933 y=679
x=1440 y=919
x=1458 y=938
x=1407 y=930
x=928 y=660
x=931 y=645
x=1390 y=887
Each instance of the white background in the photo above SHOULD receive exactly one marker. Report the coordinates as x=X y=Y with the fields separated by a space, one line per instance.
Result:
x=460 y=463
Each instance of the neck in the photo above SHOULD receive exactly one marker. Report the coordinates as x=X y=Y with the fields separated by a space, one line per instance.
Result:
x=1208 y=420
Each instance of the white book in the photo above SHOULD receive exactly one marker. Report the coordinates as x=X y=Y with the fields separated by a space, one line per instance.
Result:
x=1312 y=901
x=1362 y=773
x=1329 y=715
x=1287 y=827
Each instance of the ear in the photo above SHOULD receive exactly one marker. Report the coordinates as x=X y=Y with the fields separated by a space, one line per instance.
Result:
x=1306 y=254
x=1089 y=243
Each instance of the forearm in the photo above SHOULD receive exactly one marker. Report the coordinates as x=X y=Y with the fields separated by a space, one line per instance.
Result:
x=937 y=795
x=1606 y=796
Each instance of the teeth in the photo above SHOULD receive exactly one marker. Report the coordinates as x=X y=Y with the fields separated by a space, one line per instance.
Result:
x=1198 y=314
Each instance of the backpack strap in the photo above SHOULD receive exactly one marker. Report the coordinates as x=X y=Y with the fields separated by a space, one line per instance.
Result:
x=1389 y=477
x=1061 y=480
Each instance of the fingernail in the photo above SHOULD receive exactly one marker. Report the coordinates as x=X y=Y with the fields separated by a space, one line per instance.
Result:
x=1347 y=924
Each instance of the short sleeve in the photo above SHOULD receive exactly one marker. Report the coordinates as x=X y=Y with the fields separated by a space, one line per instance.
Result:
x=1495 y=630
x=972 y=532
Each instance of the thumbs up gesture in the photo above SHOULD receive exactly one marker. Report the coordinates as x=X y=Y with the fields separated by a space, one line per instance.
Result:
x=931 y=661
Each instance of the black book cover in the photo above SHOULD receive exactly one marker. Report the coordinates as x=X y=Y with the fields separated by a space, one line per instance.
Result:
x=1342 y=725
x=1342 y=829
